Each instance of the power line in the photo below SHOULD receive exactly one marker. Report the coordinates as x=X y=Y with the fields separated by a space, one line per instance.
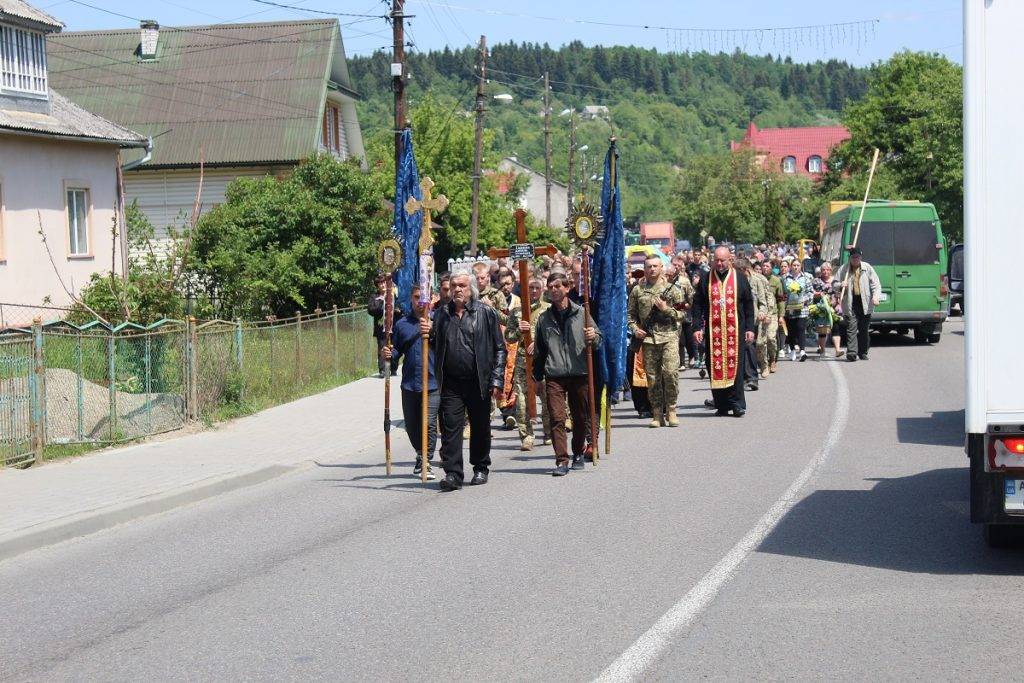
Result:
x=318 y=11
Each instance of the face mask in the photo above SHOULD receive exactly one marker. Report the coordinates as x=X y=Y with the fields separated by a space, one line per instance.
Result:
x=775 y=271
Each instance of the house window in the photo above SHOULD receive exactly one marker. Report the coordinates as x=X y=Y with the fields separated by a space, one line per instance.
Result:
x=78 y=222
x=814 y=164
x=789 y=165
x=22 y=60
x=333 y=134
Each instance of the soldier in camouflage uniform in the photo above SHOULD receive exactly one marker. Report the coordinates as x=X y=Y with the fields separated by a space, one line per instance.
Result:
x=655 y=310
x=764 y=308
x=514 y=333
x=770 y=359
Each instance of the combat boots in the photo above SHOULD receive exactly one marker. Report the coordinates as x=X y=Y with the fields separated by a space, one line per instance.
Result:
x=670 y=417
x=655 y=418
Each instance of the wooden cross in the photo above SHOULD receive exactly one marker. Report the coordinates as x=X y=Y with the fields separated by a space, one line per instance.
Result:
x=427 y=205
x=518 y=251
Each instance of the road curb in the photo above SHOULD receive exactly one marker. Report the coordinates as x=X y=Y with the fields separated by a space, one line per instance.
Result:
x=86 y=523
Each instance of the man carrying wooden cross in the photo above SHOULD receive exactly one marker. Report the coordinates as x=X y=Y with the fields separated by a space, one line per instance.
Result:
x=519 y=329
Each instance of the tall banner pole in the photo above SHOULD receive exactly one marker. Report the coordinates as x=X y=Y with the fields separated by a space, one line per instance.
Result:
x=585 y=229
x=389 y=321
x=587 y=322
x=389 y=259
x=614 y=164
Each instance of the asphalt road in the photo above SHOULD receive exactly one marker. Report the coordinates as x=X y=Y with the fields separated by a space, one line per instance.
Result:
x=869 y=570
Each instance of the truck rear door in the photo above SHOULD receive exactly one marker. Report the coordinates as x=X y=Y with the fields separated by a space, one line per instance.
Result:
x=917 y=265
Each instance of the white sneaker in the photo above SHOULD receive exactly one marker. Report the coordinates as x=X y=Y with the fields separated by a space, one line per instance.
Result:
x=792 y=355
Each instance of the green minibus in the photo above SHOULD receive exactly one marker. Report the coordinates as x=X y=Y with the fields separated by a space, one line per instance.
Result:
x=903 y=241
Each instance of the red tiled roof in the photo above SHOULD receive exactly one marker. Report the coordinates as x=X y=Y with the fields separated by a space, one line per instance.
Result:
x=802 y=143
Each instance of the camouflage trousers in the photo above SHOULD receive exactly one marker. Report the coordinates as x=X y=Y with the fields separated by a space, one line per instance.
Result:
x=522 y=417
x=661 y=365
x=767 y=342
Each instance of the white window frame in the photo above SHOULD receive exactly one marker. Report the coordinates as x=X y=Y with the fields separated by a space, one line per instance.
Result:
x=815 y=161
x=789 y=164
x=23 y=61
x=74 y=230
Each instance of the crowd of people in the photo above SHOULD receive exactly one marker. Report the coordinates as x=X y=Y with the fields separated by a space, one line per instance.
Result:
x=729 y=314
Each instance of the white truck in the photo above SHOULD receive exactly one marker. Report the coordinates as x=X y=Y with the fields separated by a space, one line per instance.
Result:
x=994 y=239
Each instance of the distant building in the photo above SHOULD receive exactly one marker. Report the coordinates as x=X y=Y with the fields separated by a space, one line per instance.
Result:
x=595 y=111
x=250 y=99
x=534 y=198
x=58 y=172
x=799 y=151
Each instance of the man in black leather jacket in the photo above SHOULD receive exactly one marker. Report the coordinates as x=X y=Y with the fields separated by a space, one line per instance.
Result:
x=469 y=363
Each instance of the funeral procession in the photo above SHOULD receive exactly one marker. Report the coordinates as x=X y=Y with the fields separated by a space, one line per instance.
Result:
x=452 y=340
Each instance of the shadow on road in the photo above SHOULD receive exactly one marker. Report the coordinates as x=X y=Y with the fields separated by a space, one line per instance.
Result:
x=917 y=524
x=943 y=428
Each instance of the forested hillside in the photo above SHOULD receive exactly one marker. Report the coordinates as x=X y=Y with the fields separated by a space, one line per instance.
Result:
x=664 y=108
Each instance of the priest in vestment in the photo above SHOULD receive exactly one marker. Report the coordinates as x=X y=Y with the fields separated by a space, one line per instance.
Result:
x=723 y=315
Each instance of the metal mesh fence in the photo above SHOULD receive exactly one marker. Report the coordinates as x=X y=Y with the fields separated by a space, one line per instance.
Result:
x=18 y=386
x=64 y=384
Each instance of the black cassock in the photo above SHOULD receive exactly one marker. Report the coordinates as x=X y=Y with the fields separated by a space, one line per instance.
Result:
x=730 y=398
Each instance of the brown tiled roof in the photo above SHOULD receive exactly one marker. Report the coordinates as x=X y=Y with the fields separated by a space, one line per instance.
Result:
x=243 y=93
x=24 y=11
x=67 y=119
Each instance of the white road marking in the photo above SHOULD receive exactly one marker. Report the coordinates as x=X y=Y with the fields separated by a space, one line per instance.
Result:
x=649 y=647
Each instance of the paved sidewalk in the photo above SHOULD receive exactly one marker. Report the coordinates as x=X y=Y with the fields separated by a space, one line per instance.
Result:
x=69 y=498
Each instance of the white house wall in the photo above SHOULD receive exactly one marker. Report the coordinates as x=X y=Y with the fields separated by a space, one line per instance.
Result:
x=167 y=196
x=34 y=176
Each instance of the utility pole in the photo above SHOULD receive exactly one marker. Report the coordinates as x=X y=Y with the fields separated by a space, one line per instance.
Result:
x=398 y=77
x=479 y=152
x=547 y=151
x=572 y=153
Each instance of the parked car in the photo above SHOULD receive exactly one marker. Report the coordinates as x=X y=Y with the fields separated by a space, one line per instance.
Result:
x=903 y=242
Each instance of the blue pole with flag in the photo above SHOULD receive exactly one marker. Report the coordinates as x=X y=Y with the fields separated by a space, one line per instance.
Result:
x=608 y=290
x=407 y=227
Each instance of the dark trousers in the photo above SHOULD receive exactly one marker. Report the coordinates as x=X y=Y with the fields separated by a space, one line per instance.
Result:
x=731 y=398
x=796 y=332
x=412 y=412
x=641 y=403
x=858 y=330
x=750 y=362
x=568 y=392
x=461 y=397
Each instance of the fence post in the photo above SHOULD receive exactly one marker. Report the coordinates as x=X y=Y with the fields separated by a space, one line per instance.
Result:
x=149 y=380
x=337 y=360
x=298 y=347
x=239 y=358
x=37 y=393
x=111 y=385
x=79 y=391
x=193 y=369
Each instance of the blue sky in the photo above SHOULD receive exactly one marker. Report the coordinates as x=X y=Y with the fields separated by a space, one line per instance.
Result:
x=930 y=25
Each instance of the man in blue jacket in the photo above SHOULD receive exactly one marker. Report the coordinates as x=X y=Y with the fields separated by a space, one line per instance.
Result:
x=407 y=343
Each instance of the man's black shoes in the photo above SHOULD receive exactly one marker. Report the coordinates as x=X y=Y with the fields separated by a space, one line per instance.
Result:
x=577 y=462
x=450 y=483
x=708 y=403
x=738 y=413
x=560 y=471
x=863 y=356
x=479 y=479
x=851 y=358
x=721 y=412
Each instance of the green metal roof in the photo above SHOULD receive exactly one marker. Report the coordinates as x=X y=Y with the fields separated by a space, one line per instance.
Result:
x=243 y=93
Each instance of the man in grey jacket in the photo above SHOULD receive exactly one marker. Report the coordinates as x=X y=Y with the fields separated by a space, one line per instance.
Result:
x=861 y=292
x=560 y=361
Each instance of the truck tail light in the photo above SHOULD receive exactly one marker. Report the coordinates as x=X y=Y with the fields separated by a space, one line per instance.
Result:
x=1006 y=451
x=944 y=285
x=1015 y=446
